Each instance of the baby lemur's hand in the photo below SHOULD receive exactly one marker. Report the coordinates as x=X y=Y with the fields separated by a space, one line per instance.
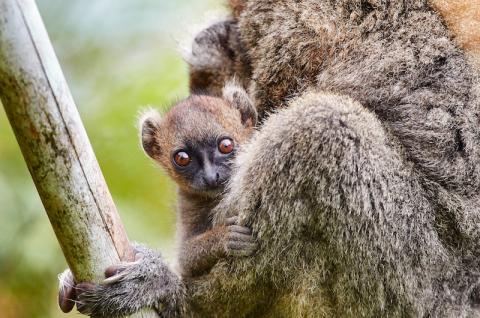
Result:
x=238 y=240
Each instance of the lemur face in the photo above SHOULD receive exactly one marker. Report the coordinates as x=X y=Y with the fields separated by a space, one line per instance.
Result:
x=196 y=141
x=205 y=162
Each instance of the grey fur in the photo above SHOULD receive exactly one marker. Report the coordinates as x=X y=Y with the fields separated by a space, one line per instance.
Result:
x=238 y=97
x=147 y=282
x=363 y=192
x=216 y=57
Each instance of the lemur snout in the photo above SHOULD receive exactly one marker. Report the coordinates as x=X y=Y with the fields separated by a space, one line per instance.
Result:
x=212 y=179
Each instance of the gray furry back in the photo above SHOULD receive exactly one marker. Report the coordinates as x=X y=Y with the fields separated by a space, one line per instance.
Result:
x=399 y=61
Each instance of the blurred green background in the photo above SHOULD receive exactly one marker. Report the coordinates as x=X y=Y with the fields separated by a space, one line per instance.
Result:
x=117 y=56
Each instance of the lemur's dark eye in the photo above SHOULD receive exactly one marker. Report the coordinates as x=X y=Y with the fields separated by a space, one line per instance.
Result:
x=225 y=146
x=182 y=159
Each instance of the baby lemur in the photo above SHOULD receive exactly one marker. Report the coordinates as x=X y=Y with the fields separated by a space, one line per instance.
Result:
x=195 y=143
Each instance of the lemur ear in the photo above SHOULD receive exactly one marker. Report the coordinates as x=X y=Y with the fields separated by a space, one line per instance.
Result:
x=238 y=98
x=149 y=127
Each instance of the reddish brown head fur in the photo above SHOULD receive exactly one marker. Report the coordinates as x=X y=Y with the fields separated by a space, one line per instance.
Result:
x=194 y=119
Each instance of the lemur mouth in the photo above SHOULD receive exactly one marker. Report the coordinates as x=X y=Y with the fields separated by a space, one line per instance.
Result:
x=214 y=191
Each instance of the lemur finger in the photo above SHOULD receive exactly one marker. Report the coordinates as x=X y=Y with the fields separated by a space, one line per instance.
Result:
x=118 y=276
x=83 y=287
x=139 y=256
x=82 y=292
x=86 y=292
x=116 y=272
x=231 y=220
x=240 y=237
x=139 y=248
x=66 y=292
x=112 y=271
x=116 y=269
x=66 y=300
x=239 y=229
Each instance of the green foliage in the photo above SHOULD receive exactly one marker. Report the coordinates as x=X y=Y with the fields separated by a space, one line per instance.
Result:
x=117 y=56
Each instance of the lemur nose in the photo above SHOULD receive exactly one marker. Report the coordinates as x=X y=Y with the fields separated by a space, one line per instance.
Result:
x=212 y=179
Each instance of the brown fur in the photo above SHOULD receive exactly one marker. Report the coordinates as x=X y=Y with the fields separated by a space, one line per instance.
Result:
x=236 y=6
x=195 y=116
x=201 y=245
x=199 y=118
x=463 y=19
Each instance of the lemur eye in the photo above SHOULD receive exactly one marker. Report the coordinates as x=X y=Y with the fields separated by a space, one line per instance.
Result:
x=182 y=159
x=225 y=146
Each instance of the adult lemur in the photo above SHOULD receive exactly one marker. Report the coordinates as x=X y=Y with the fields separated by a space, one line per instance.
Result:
x=363 y=193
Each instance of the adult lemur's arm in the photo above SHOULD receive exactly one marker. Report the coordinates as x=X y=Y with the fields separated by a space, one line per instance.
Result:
x=128 y=287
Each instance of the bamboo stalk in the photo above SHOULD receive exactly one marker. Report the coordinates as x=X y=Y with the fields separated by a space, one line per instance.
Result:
x=55 y=146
